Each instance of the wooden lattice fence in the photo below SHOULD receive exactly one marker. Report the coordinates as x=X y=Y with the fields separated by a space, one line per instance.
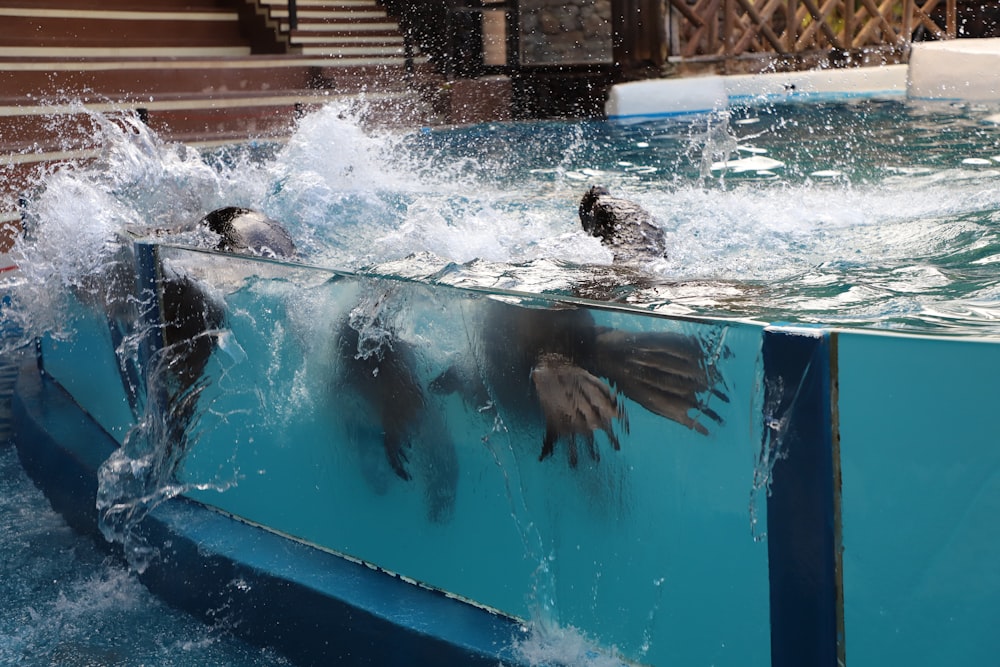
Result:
x=727 y=29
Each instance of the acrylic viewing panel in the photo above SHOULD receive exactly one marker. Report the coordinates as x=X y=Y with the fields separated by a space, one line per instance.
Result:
x=920 y=456
x=403 y=424
x=427 y=430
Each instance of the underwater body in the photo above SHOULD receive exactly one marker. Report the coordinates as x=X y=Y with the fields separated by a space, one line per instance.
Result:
x=764 y=216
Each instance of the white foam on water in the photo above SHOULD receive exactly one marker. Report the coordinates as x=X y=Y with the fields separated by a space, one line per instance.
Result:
x=355 y=198
x=755 y=163
x=66 y=603
x=564 y=646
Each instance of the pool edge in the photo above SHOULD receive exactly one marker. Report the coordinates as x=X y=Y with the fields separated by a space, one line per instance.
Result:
x=959 y=70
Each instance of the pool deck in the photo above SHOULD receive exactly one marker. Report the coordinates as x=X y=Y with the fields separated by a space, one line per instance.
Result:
x=950 y=71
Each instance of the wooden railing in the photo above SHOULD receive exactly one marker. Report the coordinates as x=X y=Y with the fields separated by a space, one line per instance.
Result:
x=727 y=29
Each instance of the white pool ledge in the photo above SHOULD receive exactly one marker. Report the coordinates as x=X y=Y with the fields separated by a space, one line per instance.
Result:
x=966 y=69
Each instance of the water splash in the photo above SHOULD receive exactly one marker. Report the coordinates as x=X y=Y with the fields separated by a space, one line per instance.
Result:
x=65 y=602
x=810 y=247
x=715 y=146
x=77 y=251
x=79 y=218
x=144 y=471
x=563 y=647
x=772 y=427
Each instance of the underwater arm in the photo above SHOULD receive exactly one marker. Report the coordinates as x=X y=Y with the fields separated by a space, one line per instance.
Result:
x=575 y=403
x=666 y=373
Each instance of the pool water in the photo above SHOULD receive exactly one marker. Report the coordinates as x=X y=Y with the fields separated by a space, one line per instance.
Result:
x=67 y=601
x=875 y=213
x=869 y=214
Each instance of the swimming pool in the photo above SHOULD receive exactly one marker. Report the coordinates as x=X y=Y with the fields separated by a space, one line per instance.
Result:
x=789 y=228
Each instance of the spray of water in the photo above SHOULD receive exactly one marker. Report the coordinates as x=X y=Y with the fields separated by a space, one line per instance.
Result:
x=899 y=231
x=79 y=219
x=76 y=252
x=143 y=472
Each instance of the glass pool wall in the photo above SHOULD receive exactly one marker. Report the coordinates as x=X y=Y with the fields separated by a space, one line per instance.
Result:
x=920 y=456
x=837 y=505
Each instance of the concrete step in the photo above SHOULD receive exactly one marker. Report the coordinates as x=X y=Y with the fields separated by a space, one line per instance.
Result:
x=124 y=5
x=326 y=14
x=151 y=12
x=68 y=132
x=394 y=41
x=341 y=29
x=347 y=55
x=115 y=29
x=89 y=52
x=65 y=127
x=26 y=130
x=382 y=25
x=302 y=4
x=360 y=23
x=143 y=80
x=347 y=30
x=335 y=49
x=52 y=79
x=346 y=39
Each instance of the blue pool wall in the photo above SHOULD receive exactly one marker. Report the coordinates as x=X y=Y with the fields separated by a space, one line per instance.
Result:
x=867 y=462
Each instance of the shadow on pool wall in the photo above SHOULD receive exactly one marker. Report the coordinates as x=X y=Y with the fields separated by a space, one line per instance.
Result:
x=712 y=538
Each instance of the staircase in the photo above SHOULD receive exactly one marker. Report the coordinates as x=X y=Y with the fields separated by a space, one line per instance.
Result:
x=202 y=72
x=345 y=29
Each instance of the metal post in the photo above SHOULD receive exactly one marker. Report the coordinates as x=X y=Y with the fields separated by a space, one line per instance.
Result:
x=848 y=25
x=728 y=7
x=407 y=53
x=293 y=15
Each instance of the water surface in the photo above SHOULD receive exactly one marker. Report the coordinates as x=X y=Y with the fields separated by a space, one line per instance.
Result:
x=869 y=213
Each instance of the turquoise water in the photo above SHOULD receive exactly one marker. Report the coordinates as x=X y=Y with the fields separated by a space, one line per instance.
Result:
x=869 y=214
x=921 y=483
x=482 y=516
x=68 y=602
